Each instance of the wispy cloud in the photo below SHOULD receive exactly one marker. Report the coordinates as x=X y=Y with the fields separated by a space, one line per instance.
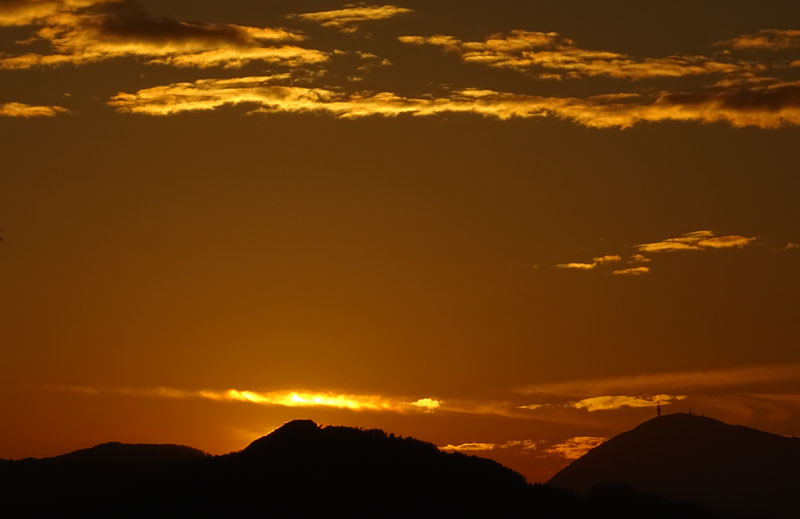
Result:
x=525 y=445
x=697 y=240
x=576 y=447
x=789 y=246
x=764 y=109
x=684 y=381
x=116 y=29
x=577 y=266
x=599 y=260
x=633 y=271
x=29 y=111
x=607 y=403
x=350 y=17
x=309 y=398
x=767 y=39
x=290 y=398
x=608 y=258
x=561 y=57
x=692 y=241
x=469 y=447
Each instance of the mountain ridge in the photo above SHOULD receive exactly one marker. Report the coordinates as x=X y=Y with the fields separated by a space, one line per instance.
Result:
x=735 y=470
x=301 y=470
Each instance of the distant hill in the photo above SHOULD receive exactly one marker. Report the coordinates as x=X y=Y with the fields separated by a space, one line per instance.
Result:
x=300 y=470
x=734 y=470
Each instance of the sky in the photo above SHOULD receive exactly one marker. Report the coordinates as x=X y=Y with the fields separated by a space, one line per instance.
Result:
x=511 y=229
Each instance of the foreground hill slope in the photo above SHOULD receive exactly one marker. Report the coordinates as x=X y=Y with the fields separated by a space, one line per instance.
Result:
x=299 y=470
x=734 y=470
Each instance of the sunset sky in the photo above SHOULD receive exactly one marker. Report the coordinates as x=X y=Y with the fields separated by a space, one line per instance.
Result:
x=508 y=228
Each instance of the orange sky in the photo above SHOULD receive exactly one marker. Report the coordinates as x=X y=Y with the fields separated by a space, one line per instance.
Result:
x=508 y=230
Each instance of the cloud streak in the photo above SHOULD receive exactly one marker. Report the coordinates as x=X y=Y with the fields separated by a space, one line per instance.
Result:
x=562 y=58
x=290 y=398
x=525 y=445
x=576 y=447
x=697 y=241
x=577 y=266
x=615 y=111
x=349 y=18
x=633 y=271
x=686 y=381
x=25 y=111
x=703 y=240
x=767 y=39
x=609 y=403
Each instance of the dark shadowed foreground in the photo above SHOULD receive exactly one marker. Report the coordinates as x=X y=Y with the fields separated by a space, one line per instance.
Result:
x=300 y=470
x=736 y=471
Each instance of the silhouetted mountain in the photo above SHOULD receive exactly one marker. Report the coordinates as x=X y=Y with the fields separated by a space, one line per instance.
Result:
x=734 y=470
x=299 y=470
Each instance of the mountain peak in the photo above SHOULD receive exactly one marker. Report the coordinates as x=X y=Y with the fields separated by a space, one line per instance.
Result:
x=730 y=468
x=293 y=433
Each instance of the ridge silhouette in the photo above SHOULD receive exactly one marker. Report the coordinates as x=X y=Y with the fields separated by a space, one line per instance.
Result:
x=301 y=470
x=736 y=471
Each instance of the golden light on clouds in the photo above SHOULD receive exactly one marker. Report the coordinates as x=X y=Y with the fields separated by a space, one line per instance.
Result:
x=429 y=404
x=530 y=50
x=697 y=240
x=633 y=271
x=692 y=241
x=576 y=447
x=28 y=111
x=608 y=258
x=608 y=111
x=525 y=445
x=27 y=12
x=290 y=398
x=469 y=447
x=577 y=266
x=80 y=36
x=607 y=403
x=347 y=19
x=325 y=399
x=79 y=32
x=767 y=39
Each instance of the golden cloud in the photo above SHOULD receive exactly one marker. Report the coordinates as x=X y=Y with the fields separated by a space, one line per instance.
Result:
x=620 y=111
x=469 y=447
x=29 y=111
x=527 y=50
x=608 y=258
x=577 y=266
x=28 y=12
x=429 y=404
x=118 y=30
x=526 y=445
x=697 y=240
x=576 y=447
x=607 y=403
x=725 y=242
x=634 y=271
x=348 y=18
x=767 y=39
x=291 y=398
